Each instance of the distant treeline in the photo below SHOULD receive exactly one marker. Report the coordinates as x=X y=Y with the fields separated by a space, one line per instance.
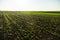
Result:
x=52 y=11
x=32 y=11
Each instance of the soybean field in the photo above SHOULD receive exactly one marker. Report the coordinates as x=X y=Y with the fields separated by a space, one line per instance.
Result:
x=16 y=25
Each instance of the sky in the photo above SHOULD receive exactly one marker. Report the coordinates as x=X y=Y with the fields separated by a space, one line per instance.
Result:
x=30 y=5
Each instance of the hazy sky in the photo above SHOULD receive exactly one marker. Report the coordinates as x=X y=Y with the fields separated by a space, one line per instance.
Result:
x=30 y=5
